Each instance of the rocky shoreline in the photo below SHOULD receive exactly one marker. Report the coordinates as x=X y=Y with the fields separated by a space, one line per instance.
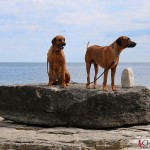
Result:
x=24 y=137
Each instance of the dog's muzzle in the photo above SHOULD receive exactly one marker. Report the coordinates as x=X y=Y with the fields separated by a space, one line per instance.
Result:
x=132 y=44
x=61 y=46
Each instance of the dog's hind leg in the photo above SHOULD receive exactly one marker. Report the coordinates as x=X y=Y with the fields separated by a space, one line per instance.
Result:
x=67 y=77
x=96 y=71
x=88 y=67
x=63 y=77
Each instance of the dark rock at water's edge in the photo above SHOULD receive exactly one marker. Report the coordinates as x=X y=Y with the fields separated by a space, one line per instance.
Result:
x=75 y=106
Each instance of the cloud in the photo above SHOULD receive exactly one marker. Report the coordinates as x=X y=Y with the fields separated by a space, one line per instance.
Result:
x=33 y=23
x=131 y=15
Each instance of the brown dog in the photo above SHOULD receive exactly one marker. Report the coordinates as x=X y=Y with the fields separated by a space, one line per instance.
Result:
x=58 y=74
x=104 y=56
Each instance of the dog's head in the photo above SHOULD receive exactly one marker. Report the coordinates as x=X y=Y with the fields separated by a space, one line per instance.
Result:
x=59 y=42
x=124 y=41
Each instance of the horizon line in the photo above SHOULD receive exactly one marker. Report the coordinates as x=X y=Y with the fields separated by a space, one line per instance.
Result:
x=69 y=62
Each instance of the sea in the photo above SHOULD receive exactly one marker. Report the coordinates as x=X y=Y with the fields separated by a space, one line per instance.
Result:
x=36 y=73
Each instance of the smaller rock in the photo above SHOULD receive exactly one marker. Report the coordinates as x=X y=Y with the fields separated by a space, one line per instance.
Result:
x=1 y=119
x=127 y=78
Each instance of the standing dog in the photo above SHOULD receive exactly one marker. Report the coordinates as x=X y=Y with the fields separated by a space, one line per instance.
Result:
x=104 y=56
x=58 y=74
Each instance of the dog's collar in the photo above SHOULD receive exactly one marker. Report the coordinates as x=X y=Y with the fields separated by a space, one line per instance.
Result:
x=56 y=51
x=115 y=51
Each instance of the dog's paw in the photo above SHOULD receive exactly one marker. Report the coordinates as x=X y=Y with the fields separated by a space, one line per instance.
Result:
x=67 y=84
x=63 y=85
x=88 y=86
x=95 y=86
x=105 y=88
x=49 y=84
x=114 y=88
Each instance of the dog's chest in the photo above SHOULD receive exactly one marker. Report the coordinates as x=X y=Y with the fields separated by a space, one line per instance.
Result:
x=57 y=63
x=57 y=57
x=57 y=70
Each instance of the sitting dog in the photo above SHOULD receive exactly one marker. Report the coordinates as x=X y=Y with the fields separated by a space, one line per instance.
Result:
x=58 y=74
x=104 y=56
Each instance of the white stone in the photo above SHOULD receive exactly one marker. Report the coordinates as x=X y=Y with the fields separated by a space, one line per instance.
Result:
x=127 y=78
x=1 y=119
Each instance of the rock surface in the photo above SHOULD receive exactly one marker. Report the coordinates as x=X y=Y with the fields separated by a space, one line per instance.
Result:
x=74 y=106
x=127 y=78
x=22 y=137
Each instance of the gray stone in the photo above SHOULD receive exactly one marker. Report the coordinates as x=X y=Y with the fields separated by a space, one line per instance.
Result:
x=127 y=78
x=74 y=106
x=22 y=137
x=1 y=119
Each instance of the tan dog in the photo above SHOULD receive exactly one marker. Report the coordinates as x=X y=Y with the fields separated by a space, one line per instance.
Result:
x=57 y=73
x=104 y=56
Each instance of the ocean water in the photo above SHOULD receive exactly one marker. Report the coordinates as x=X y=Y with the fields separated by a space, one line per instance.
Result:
x=29 y=73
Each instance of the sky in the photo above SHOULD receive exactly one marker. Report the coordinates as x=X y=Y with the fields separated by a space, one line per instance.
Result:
x=28 y=26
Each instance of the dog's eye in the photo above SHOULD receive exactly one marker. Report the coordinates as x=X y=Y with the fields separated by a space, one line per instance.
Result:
x=128 y=39
x=59 y=40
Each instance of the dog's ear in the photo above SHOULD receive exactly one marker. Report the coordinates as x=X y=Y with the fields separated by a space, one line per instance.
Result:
x=119 y=41
x=53 y=40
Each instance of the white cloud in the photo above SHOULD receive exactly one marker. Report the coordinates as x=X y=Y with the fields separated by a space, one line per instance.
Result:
x=80 y=21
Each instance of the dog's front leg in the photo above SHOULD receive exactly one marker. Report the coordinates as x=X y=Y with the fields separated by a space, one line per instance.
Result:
x=50 y=74
x=113 y=72
x=105 y=81
x=63 y=76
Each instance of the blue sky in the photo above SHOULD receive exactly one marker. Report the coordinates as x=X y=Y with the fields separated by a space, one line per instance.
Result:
x=27 y=27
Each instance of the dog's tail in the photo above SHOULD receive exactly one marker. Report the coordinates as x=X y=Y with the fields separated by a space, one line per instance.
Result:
x=87 y=44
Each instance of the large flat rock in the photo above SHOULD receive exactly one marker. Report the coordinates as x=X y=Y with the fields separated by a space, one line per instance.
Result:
x=75 y=106
x=22 y=137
